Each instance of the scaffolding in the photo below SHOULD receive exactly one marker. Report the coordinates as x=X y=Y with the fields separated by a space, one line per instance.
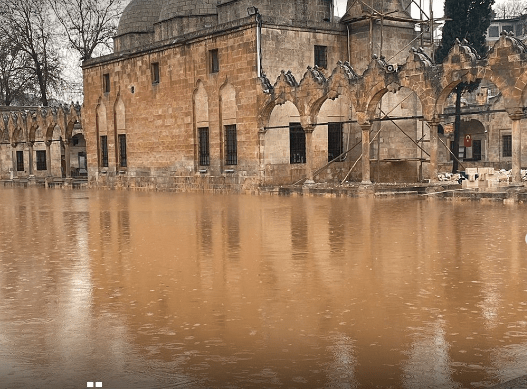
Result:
x=425 y=26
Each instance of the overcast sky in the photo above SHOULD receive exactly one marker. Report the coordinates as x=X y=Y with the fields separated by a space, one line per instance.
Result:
x=438 y=7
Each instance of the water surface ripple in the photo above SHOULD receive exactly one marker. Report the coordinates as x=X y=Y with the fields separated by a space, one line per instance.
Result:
x=162 y=290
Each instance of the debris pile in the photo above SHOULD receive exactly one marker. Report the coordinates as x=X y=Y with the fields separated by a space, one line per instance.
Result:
x=497 y=177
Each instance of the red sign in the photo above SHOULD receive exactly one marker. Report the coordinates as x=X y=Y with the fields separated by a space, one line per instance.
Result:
x=468 y=141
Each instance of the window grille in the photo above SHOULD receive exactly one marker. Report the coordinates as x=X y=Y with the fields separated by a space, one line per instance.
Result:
x=231 y=145
x=214 y=61
x=297 y=143
x=122 y=150
x=204 y=155
x=104 y=151
x=508 y=28
x=494 y=32
x=155 y=73
x=106 y=82
x=19 y=161
x=321 y=57
x=335 y=142
x=507 y=145
x=41 y=160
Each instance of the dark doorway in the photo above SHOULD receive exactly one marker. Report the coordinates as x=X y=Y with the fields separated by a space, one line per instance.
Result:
x=476 y=150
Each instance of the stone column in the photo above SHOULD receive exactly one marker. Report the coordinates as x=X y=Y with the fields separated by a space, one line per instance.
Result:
x=261 y=153
x=366 y=180
x=433 y=151
x=48 y=158
x=516 y=147
x=67 y=158
x=30 y=159
x=13 y=157
x=309 y=154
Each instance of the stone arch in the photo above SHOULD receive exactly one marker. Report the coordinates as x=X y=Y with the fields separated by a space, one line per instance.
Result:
x=521 y=84
x=228 y=104
x=102 y=122
x=101 y=130
x=119 y=134
x=450 y=81
x=18 y=135
x=228 y=124
x=201 y=105
x=120 y=114
x=277 y=138
x=334 y=134
x=201 y=125
x=32 y=132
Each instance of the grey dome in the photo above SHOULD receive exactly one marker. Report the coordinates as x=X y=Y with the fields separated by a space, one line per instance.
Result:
x=173 y=8
x=139 y=16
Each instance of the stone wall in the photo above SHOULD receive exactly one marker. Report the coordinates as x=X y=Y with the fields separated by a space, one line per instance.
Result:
x=290 y=48
x=284 y=11
x=161 y=120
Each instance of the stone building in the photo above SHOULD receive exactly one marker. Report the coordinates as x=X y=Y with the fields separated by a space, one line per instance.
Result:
x=182 y=96
x=40 y=145
x=221 y=93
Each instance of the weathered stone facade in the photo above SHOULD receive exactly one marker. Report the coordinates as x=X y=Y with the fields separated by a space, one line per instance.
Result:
x=186 y=98
x=41 y=143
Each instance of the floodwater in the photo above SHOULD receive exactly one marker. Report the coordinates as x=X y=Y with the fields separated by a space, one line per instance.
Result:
x=164 y=290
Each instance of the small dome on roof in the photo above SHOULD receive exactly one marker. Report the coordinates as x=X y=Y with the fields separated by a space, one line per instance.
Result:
x=139 y=16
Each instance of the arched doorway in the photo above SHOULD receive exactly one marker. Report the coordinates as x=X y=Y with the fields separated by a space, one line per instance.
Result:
x=79 y=167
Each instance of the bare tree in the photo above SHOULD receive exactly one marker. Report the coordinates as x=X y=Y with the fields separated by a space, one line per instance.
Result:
x=16 y=80
x=507 y=9
x=89 y=25
x=30 y=24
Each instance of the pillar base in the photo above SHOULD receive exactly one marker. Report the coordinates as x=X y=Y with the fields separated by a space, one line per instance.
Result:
x=32 y=180
x=68 y=182
x=366 y=190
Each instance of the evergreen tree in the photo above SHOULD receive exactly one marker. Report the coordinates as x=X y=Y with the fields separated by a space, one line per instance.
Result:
x=466 y=19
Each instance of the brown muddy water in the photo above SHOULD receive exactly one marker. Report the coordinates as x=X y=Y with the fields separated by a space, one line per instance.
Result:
x=162 y=290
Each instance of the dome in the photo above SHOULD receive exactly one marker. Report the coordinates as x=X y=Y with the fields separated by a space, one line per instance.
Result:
x=139 y=16
x=173 y=8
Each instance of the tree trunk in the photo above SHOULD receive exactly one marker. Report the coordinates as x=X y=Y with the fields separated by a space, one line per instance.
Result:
x=457 y=127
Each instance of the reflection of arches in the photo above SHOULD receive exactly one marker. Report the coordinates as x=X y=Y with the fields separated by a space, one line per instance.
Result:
x=277 y=142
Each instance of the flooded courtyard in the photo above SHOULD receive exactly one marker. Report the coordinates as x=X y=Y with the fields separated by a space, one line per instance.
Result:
x=164 y=290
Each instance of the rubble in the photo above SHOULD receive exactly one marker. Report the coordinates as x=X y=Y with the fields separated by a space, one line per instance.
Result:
x=481 y=177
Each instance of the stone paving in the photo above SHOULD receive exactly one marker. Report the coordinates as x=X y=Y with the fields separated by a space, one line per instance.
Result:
x=518 y=383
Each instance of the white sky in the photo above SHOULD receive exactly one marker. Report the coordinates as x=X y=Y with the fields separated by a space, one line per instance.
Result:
x=437 y=4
